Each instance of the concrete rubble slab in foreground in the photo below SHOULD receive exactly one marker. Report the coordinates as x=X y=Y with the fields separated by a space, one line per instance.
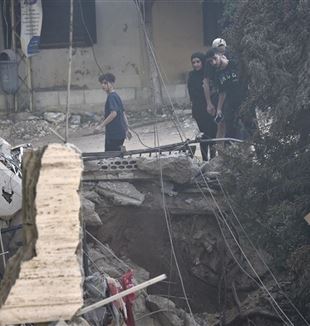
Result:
x=43 y=281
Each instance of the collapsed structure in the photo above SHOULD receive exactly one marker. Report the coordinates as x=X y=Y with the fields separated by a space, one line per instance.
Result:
x=158 y=211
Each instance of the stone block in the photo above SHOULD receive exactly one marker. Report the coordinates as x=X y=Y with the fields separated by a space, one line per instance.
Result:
x=175 y=91
x=127 y=94
x=121 y=193
x=95 y=96
x=76 y=97
x=46 y=99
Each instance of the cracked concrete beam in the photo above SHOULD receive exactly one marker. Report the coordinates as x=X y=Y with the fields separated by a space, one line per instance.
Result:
x=43 y=281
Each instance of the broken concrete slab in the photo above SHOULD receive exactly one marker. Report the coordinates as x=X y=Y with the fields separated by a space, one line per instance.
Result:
x=90 y=217
x=42 y=282
x=121 y=193
x=178 y=168
x=166 y=310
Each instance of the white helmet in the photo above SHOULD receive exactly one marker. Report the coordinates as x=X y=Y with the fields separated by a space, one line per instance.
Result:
x=218 y=42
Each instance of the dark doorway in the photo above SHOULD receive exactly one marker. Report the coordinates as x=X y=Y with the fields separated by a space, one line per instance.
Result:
x=212 y=13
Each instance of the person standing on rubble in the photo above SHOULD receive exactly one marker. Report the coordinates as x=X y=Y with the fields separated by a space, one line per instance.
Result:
x=226 y=79
x=115 y=120
x=209 y=89
x=199 y=108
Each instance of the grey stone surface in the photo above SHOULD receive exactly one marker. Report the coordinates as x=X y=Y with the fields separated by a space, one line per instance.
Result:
x=54 y=117
x=75 y=119
x=89 y=214
x=178 y=168
x=167 y=318
x=121 y=193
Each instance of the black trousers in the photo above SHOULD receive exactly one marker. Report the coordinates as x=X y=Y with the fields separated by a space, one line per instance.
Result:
x=113 y=145
x=207 y=126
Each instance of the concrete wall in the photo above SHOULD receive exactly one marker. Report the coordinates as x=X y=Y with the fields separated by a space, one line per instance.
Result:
x=177 y=33
x=117 y=50
x=120 y=49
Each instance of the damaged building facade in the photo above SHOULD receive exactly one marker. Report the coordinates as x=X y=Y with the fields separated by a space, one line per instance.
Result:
x=108 y=36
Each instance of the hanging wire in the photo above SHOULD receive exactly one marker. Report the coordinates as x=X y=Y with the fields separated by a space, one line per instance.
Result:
x=151 y=48
x=177 y=124
x=89 y=36
x=243 y=253
x=69 y=70
x=226 y=196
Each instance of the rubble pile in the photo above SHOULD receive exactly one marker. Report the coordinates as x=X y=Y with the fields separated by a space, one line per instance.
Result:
x=134 y=226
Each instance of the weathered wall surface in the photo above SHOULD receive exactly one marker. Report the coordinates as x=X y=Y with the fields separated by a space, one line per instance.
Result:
x=117 y=50
x=121 y=49
x=177 y=32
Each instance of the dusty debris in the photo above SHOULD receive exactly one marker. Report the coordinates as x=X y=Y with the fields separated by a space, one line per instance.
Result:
x=179 y=168
x=42 y=282
x=90 y=217
x=10 y=181
x=121 y=193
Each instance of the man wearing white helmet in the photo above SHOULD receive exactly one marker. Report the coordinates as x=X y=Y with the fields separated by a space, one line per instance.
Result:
x=220 y=45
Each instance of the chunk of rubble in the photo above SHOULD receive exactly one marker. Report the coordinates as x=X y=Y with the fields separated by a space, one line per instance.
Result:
x=42 y=282
x=121 y=193
x=178 y=168
x=90 y=217
x=166 y=314
x=76 y=321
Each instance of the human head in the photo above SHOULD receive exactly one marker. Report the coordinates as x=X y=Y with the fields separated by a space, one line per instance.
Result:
x=213 y=57
x=197 y=60
x=220 y=44
x=107 y=81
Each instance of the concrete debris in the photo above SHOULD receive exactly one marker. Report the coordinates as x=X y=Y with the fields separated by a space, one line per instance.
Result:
x=54 y=117
x=92 y=196
x=30 y=129
x=121 y=193
x=90 y=217
x=10 y=181
x=42 y=282
x=179 y=169
x=76 y=321
x=75 y=119
x=167 y=311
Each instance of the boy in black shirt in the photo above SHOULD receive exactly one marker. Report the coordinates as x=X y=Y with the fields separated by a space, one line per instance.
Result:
x=115 y=120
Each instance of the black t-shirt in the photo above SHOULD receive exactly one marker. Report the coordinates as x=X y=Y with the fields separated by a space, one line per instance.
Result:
x=210 y=72
x=227 y=80
x=116 y=129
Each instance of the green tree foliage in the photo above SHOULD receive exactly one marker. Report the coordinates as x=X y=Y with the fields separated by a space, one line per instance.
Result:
x=271 y=187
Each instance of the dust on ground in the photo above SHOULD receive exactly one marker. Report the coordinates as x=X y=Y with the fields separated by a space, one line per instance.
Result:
x=37 y=131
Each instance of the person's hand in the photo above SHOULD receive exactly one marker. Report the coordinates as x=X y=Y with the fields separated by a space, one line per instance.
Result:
x=99 y=130
x=219 y=116
x=211 y=109
x=128 y=134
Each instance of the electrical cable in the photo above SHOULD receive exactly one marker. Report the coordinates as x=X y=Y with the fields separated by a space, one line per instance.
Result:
x=243 y=253
x=4 y=9
x=149 y=43
x=151 y=48
x=257 y=252
x=156 y=63
x=168 y=224
x=89 y=36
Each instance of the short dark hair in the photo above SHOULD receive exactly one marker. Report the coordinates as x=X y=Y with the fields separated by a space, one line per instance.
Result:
x=107 y=77
x=211 y=53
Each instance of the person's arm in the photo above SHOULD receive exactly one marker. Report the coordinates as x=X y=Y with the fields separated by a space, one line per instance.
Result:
x=220 y=103
x=206 y=87
x=106 y=121
x=128 y=133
